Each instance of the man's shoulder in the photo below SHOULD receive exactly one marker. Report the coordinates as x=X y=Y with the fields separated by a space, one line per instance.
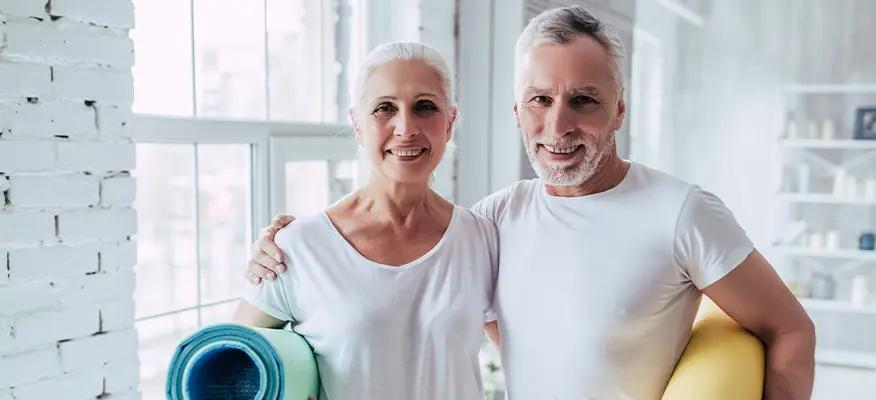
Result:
x=494 y=205
x=657 y=179
x=659 y=187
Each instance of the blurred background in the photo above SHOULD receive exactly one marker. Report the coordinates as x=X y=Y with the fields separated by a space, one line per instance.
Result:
x=240 y=113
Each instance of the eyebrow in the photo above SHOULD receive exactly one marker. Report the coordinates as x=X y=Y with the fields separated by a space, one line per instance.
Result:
x=396 y=98
x=589 y=90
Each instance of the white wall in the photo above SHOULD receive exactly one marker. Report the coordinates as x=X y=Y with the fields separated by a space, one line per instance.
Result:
x=66 y=222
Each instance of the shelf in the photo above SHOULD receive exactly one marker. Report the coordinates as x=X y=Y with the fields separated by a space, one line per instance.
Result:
x=846 y=254
x=837 y=306
x=831 y=89
x=824 y=199
x=846 y=358
x=840 y=144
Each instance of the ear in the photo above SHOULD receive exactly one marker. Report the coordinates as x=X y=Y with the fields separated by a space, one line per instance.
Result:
x=356 y=133
x=453 y=113
x=516 y=115
x=621 y=112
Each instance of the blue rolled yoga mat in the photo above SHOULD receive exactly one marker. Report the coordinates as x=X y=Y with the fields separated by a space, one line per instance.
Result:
x=238 y=362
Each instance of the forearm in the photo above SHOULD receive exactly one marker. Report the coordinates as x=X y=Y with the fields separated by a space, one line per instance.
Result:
x=790 y=366
x=492 y=330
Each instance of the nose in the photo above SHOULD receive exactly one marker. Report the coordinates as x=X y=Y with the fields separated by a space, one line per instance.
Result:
x=559 y=122
x=405 y=126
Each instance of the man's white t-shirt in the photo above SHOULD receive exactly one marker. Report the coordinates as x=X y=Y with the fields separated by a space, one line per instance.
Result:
x=596 y=294
x=387 y=332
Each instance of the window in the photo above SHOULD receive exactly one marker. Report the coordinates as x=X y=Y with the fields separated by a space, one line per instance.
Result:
x=194 y=229
x=277 y=60
x=217 y=83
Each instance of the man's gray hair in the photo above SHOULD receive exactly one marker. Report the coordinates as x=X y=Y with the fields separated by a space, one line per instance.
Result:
x=562 y=25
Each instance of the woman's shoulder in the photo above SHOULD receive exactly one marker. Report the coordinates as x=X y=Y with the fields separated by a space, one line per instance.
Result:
x=303 y=231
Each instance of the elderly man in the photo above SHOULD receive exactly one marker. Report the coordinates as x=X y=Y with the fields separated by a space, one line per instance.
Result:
x=604 y=261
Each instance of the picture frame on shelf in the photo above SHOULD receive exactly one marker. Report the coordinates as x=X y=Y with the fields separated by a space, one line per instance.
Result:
x=865 y=123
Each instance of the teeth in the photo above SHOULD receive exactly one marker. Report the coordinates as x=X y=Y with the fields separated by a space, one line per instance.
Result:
x=407 y=153
x=561 y=150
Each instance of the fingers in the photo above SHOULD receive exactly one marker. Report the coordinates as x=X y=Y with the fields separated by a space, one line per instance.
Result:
x=282 y=220
x=252 y=278
x=267 y=246
x=259 y=271
x=267 y=261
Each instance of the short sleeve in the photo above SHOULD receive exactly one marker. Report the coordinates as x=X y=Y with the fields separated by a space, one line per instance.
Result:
x=483 y=208
x=492 y=243
x=271 y=297
x=709 y=243
x=493 y=206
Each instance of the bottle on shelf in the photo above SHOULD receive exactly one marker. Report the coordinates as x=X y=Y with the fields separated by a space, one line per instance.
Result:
x=860 y=289
x=867 y=241
x=791 y=129
x=828 y=129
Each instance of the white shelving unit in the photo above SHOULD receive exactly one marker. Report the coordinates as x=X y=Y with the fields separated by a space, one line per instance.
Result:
x=842 y=254
x=838 y=144
x=825 y=157
x=846 y=358
x=825 y=198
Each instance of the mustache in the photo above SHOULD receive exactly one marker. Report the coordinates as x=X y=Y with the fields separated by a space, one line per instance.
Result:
x=563 y=143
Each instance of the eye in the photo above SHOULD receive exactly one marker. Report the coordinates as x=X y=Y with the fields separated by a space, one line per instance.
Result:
x=425 y=107
x=583 y=100
x=541 y=100
x=384 y=110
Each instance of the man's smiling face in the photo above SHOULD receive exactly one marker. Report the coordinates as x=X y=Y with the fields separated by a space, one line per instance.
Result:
x=568 y=108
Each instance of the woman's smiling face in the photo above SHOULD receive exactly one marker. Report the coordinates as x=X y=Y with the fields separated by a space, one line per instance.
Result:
x=403 y=121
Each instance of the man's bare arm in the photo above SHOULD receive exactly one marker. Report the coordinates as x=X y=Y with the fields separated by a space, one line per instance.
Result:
x=755 y=296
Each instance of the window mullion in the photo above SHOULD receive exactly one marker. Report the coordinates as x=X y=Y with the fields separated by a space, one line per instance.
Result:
x=198 y=235
x=194 y=67
x=267 y=65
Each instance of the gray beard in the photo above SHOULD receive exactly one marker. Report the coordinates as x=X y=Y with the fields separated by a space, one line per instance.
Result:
x=594 y=159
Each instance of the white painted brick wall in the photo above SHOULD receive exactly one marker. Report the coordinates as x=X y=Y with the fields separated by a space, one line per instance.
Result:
x=122 y=376
x=116 y=315
x=107 y=224
x=52 y=261
x=111 y=13
x=68 y=41
x=96 y=351
x=36 y=8
x=29 y=367
x=80 y=156
x=22 y=119
x=56 y=190
x=77 y=385
x=117 y=190
x=66 y=222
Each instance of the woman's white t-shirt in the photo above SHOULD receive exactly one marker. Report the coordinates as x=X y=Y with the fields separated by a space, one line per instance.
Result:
x=387 y=332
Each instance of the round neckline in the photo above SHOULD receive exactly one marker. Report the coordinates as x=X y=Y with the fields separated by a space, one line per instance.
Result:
x=419 y=260
x=594 y=196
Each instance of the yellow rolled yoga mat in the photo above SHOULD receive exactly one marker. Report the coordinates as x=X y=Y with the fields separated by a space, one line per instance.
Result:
x=229 y=361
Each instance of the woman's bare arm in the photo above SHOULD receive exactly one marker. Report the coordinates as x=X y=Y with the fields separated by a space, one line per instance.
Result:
x=247 y=314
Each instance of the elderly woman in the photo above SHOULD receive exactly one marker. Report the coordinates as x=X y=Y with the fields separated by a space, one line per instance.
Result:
x=393 y=284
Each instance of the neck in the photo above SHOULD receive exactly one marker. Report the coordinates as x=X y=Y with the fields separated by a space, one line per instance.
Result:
x=607 y=176
x=398 y=202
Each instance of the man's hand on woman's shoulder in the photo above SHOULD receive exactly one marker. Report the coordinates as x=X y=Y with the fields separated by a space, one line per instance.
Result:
x=267 y=258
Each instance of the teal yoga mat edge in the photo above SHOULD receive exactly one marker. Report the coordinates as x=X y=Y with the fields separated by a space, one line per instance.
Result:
x=297 y=364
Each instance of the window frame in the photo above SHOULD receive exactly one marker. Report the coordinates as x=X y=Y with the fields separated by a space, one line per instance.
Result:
x=271 y=145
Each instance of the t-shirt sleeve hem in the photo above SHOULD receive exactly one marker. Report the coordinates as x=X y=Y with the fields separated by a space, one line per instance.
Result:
x=733 y=259
x=252 y=299
x=490 y=316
